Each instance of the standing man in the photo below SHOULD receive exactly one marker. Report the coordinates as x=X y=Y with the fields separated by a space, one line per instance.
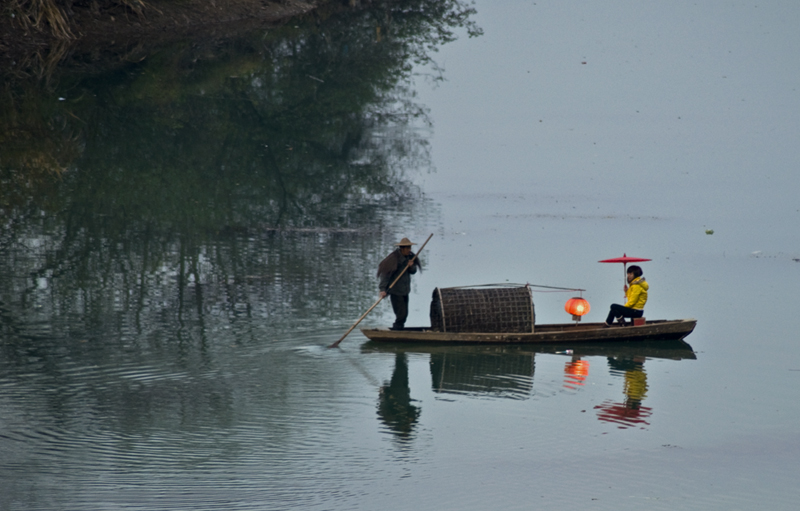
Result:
x=389 y=269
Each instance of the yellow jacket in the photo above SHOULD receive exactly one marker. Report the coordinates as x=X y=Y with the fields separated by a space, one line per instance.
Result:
x=637 y=293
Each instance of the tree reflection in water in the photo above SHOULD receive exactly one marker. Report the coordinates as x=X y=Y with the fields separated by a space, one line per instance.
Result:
x=216 y=179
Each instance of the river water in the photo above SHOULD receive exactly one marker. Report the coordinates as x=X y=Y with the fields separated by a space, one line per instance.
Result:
x=183 y=235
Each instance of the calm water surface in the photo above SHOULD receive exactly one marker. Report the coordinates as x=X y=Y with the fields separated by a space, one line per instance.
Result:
x=183 y=237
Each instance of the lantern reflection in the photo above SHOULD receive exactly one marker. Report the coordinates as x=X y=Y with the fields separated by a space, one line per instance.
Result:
x=575 y=373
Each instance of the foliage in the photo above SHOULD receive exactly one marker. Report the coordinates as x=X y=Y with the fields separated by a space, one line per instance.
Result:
x=189 y=165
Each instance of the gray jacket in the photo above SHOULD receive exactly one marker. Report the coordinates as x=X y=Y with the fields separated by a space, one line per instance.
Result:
x=403 y=286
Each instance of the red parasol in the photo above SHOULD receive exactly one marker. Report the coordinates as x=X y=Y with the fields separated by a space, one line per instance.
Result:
x=625 y=260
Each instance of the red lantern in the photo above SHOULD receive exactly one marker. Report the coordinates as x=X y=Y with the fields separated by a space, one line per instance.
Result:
x=577 y=307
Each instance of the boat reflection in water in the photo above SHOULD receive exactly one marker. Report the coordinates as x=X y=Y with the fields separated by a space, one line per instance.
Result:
x=491 y=372
x=508 y=372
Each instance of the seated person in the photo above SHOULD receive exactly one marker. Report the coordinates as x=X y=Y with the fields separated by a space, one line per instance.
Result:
x=637 y=297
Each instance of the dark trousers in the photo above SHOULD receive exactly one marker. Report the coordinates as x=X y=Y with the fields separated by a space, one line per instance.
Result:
x=620 y=311
x=400 y=307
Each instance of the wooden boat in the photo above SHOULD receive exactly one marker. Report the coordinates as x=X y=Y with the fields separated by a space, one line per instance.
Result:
x=657 y=330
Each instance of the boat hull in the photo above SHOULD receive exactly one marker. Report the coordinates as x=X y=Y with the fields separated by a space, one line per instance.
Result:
x=557 y=333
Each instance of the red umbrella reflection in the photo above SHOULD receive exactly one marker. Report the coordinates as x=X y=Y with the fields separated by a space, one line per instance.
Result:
x=627 y=415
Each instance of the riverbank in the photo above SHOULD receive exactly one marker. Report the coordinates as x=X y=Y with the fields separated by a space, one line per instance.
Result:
x=127 y=30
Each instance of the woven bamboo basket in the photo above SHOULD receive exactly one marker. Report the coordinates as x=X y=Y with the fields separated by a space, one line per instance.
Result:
x=478 y=309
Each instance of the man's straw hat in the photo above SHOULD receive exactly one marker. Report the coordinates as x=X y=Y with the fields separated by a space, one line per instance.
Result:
x=405 y=242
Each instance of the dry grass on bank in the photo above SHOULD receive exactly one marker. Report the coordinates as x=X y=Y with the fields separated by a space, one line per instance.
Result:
x=64 y=19
x=36 y=35
x=54 y=17
x=41 y=15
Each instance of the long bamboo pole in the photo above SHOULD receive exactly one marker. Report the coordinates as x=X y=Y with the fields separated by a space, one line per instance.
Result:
x=382 y=297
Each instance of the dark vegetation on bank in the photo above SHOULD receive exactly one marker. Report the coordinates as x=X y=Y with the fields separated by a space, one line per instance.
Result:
x=301 y=125
x=35 y=35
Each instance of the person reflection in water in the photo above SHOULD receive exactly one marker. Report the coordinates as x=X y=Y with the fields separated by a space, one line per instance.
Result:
x=389 y=269
x=394 y=401
x=629 y=413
